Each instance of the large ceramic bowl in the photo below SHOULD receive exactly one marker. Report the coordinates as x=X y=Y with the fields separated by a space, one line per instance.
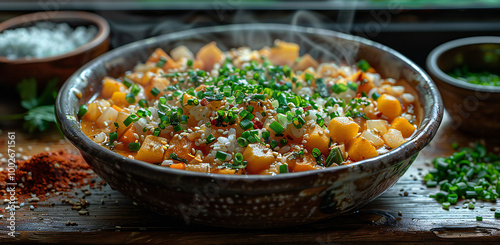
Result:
x=60 y=66
x=253 y=201
x=473 y=108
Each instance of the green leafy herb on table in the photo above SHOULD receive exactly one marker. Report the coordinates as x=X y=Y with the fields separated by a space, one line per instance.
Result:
x=40 y=109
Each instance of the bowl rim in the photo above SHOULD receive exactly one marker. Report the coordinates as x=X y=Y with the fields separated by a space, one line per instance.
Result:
x=101 y=24
x=69 y=124
x=433 y=56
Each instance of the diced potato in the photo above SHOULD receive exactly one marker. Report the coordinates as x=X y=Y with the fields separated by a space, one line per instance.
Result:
x=393 y=138
x=152 y=149
x=181 y=52
x=258 y=157
x=318 y=139
x=93 y=112
x=377 y=126
x=119 y=99
x=128 y=136
x=108 y=116
x=121 y=126
x=161 y=83
x=182 y=148
x=389 y=106
x=284 y=53
x=361 y=149
x=202 y=167
x=327 y=70
x=342 y=129
x=110 y=86
x=405 y=127
x=305 y=62
x=373 y=138
x=209 y=55
x=158 y=54
x=303 y=164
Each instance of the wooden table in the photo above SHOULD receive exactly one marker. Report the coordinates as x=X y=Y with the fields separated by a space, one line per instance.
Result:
x=405 y=213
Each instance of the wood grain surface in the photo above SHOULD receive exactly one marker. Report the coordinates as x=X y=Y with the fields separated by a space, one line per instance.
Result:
x=403 y=214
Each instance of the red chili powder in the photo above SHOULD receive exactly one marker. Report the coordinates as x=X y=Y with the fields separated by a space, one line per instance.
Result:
x=47 y=171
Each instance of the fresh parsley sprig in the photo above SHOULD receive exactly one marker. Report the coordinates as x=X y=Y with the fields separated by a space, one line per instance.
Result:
x=40 y=112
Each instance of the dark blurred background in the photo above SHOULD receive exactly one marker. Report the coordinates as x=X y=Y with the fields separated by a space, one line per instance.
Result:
x=413 y=27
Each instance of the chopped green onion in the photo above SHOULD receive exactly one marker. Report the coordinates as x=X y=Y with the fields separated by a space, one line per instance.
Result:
x=113 y=136
x=363 y=65
x=446 y=205
x=222 y=156
x=283 y=141
x=130 y=98
x=134 y=146
x=497 y=214
x=135 y=89
x=161 y=62
x=316 y=153
x=375 y=96
x=479 y=218
x=238 y=158
x=339 y=88
x=335 y=156
x=127 y=82
x=246 y=124
x=143 y=103
x=177 y=128
x=273 y=144
x=352 y=86
x=266 y=135
x=155 y=91
x=242 y=142
x=276 y=127
x=210 y=138
x=190 y=62
x=130 y=119
x=83 y=110
x=283 y=169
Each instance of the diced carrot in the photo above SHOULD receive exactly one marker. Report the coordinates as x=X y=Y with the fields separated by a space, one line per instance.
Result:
x=371 y=70
x=342 y=129
x=402 y=124
x=117 y=108
x=389 y=106
x=180 y=166
x=360 y=149
x=209 y=54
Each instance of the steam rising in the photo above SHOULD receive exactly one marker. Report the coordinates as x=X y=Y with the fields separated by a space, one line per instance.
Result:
x=321 y=47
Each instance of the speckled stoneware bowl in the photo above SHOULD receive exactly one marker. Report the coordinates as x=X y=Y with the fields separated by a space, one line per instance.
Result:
x=474 y=108
x=251 y=201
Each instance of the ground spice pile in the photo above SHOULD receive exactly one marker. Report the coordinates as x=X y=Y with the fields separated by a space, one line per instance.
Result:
x=50 y=172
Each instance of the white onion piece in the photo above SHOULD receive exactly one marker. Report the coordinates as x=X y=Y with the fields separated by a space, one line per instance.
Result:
x=377 y=126
x=393 y=138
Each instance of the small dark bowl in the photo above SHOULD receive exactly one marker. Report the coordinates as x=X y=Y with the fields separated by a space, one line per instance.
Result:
x=252 y=201
x=60 y=66
x=473 y=108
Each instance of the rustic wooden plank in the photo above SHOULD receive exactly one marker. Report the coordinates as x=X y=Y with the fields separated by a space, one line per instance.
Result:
x=391 y=218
